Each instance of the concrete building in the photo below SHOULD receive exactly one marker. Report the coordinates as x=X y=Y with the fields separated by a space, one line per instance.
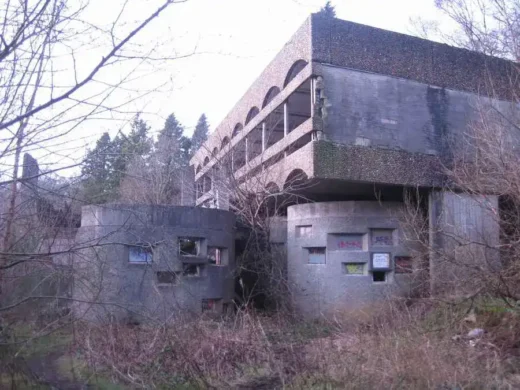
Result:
x=138 y=261
x=356 y=114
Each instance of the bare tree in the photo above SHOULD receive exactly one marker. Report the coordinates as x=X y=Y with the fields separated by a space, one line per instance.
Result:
x=488 y=26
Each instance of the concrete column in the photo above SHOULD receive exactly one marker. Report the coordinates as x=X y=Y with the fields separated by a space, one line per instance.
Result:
x=313 y=95
x=464 y=240
x=247 y=150
x=264 y=137
x=285 y=119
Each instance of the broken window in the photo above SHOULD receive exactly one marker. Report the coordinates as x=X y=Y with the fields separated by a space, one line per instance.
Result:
x=140 y=254
x=216 y=255
x=316 y=255
x=303 y=231
x=190 y=270
x=379 y=276
x=210 y=305
x=382 y=237
x=345 y=242
x=403 y=265
x=354 y=268
x=166 y=277
x=189 y=246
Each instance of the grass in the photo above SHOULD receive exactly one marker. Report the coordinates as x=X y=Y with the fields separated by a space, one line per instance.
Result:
x=397 y=346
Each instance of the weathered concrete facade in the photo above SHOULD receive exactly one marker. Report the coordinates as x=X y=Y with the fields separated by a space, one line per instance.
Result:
x=137 y=261
x=346 y=237
x=360 y=115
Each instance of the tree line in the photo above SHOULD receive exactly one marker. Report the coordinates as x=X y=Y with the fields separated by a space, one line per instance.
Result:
x=138 y=168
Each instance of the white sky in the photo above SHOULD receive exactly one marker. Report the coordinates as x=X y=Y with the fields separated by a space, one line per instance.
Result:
x=241 y=38
x=233 y=40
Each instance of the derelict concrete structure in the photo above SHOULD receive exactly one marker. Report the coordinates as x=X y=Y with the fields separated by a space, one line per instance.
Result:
x=360 y=114
x=133 y=262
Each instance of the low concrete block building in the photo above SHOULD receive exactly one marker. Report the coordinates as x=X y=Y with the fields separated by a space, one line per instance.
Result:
x=133 y=262
x=345 y=255
x=358 y=115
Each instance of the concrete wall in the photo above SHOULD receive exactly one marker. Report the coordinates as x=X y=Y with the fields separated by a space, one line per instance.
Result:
x=464 y=238
x=131 y=291
x=393 y=113
x=325 y=288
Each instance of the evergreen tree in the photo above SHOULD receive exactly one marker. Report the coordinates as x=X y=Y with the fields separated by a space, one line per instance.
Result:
x=128 y=147
x=98 y=185
x=106 y=164
x=172 y=142
x=328 y=10
x=200 y=135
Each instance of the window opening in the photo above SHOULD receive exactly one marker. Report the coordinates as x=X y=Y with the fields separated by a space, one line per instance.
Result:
x=304 y=231
x=316 y=255
x=189 y=246
x=191 y=270
x=210 y=305
x=354 y=268
x=345 y=242
x=403 y=265
x=382 y=237
x=166 y=277
x=379 y=276
x=216 y=255
x=140 y=254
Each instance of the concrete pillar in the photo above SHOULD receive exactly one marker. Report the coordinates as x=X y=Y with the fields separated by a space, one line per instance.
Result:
x=285 y=119
x=313 y=95
x=464 y=241
x=264 y=137
x=247 y=150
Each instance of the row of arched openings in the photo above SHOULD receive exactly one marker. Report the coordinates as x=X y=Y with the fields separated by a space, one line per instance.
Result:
x=295 y=69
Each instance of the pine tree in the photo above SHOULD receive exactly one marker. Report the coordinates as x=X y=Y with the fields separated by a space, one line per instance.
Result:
x=328 y=10
x=172 y=141
x=126 y=148
x=96 y=170
x=200 y=135
x=106 y=165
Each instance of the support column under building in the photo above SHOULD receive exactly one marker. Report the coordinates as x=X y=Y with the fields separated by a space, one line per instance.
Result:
x=464 y=241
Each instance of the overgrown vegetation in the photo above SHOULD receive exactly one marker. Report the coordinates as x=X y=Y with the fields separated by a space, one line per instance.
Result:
x=398 y=344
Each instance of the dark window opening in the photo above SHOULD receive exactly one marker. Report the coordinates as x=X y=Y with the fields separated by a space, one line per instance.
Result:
x=274 y=126
x=299 y=106
x=210 y=305
x=190 y=270
x=189 y=246
x=379 y=276
x=166 y=277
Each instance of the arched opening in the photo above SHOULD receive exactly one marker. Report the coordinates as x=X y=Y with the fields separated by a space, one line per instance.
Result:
x=295 y=180
x=251 y=114
x=238 y=128
x=215 y=152
x=273 y=199
x=207 y=183
x=197 y=170
x=299 y=106
x=272 y=188
x=225 y=142
x=271 y=94
x=239 y=155
x=206 y=161
x=296 y=68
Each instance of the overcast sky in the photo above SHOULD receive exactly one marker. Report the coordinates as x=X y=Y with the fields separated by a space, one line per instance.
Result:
x=237 y=39
x=233 y=41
